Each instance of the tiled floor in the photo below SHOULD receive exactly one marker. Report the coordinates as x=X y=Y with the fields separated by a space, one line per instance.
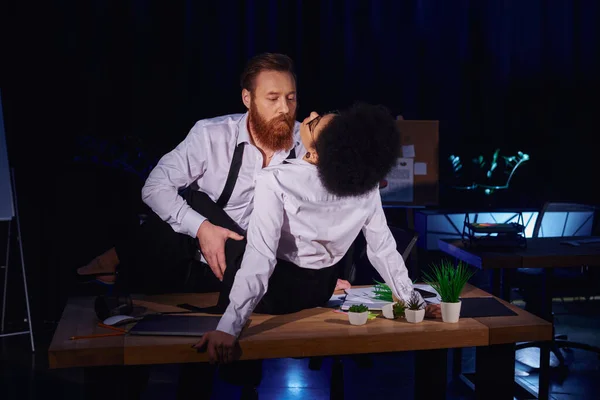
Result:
x=26 y=377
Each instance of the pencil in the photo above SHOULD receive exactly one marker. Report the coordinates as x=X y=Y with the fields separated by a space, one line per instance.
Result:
x=114 y=328
x=97 y=335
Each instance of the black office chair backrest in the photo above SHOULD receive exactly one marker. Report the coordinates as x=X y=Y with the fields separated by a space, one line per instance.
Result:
x=405 y=240
x=357 y=268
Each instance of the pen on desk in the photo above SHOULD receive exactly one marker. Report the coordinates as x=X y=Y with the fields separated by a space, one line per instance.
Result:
x=99 y=335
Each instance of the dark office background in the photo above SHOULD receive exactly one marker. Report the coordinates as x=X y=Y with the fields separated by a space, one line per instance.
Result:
x=94 y=91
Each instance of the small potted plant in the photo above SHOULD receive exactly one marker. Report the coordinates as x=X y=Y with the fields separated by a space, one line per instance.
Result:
x=449 y=282
x=399 y=308
x=415 y=310
x=358 y=314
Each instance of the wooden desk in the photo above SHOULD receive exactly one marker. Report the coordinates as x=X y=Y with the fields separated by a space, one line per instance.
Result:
x=546 y=253
x=313 y=332
x=542 y=252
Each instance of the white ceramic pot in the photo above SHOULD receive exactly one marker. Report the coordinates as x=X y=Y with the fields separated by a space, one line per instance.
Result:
x=450 y=312
x=388 y=311
x=414 y=316
x=356 y=318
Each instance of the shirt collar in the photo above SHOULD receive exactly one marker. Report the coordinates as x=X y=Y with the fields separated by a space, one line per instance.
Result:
x=300 y=161
x=243 y=134
x=296 y=136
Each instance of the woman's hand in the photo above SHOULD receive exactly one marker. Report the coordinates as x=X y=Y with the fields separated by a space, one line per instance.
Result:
x=342 y=285
x=222 y=347
x=433 y=311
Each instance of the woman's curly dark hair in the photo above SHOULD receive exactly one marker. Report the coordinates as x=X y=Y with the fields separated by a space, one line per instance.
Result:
x=357 y=149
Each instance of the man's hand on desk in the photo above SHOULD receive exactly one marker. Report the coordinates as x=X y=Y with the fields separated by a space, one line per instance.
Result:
x=222 y=347
x=211 y=239
x=433 y=311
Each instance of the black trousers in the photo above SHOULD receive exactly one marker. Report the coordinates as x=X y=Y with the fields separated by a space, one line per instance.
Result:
x=155 y=259
x=290 y=290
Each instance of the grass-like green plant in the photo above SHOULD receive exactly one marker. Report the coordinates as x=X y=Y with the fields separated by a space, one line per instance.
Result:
x=358 y=308
x=382 y=292
x=414 y=303
x=448 y=280
x=399 y=309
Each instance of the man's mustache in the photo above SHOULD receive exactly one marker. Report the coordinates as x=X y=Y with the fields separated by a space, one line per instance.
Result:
x=287 y=119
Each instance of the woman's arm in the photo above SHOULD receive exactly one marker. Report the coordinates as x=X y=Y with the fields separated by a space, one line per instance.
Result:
x=382 y=252
x=260 y=257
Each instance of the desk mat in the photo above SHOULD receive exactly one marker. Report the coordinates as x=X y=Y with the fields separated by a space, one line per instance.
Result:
x=475 y=307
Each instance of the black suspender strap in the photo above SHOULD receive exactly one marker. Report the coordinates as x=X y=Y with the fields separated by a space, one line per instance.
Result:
x=292 y=153
x=234 y=170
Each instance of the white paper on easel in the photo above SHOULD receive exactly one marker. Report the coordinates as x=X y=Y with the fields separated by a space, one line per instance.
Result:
x=7 y=209
x=400 y=182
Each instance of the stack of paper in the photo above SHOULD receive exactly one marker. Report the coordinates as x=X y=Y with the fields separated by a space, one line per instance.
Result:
x=367 y=296
x=364 y=296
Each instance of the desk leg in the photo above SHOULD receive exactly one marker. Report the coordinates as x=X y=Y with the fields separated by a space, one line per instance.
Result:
x=457 y=363
x=544 y=377
x=337 y=380
x=431 y=369
x=495 y=372
x=127 y=382
x=497 y=282
x=507 y=278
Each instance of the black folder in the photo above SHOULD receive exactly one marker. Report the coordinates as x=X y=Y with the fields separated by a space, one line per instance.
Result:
x=475 y=307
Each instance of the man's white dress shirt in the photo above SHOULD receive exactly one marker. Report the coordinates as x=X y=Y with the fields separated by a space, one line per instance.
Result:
x=204 y=158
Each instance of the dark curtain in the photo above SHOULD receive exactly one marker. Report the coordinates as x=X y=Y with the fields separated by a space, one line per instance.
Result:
x=515 y=75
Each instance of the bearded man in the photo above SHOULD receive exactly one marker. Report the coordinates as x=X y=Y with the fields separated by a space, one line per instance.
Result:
x=201 y=193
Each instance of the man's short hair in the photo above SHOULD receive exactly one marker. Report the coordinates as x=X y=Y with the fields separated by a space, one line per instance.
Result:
x=265 y=62
x=357 y=149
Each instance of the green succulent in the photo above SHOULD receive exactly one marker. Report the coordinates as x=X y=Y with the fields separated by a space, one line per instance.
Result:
x=399 y=309
x=414 y=303
x=358 y=308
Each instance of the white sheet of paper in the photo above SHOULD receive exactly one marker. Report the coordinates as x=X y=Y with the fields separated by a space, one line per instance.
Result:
x=364 y=296
x=420 y=168
x=408 y=151
x=400 y=182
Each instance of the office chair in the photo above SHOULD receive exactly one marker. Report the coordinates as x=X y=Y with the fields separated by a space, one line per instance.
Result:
x=582 y=278
x=358 y=270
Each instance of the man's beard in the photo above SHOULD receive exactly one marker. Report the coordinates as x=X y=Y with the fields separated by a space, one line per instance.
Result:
x=276 y=134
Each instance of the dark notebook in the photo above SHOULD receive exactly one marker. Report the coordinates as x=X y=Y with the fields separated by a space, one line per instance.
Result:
x=475 y=307
x=175 y=325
